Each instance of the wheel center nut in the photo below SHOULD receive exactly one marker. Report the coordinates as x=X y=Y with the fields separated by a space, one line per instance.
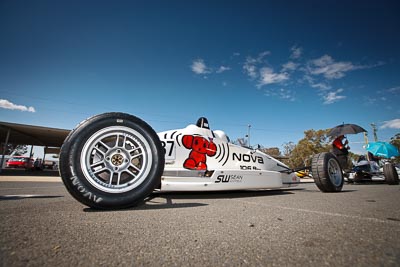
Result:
x=117 y=159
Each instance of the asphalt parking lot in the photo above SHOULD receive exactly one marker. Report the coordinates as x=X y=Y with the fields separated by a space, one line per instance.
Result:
x=42 y=225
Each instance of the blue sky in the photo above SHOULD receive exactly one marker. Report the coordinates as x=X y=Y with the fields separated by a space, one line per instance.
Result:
x=282 y=67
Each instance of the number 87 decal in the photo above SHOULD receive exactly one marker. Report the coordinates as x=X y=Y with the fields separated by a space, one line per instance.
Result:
x=169 y=149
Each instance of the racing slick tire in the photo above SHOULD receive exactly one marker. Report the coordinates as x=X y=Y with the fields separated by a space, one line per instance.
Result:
x=111 y=161
x=390 y=173
x=358 y=177
x=327 y=173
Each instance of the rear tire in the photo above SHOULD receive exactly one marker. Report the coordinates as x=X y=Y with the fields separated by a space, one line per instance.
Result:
x=390 y=173
x=327 y=173
x=358 y=177
x=111 y=160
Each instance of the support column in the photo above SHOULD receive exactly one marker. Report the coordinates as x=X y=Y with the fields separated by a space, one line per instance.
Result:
x=4 y=149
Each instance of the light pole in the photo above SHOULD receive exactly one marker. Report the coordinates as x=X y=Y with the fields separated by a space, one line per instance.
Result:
x=374 y=130
x=248 y=135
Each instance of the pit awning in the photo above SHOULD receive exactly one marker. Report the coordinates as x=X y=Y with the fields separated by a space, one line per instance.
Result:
x=23 y=134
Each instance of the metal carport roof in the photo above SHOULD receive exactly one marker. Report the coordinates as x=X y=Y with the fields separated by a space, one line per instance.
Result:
x=23 y=134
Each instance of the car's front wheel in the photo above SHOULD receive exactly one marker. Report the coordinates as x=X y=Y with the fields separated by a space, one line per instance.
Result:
x=327 y=173
x=111 y=160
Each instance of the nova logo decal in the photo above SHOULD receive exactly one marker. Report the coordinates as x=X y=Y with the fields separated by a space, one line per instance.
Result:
x=247 y=158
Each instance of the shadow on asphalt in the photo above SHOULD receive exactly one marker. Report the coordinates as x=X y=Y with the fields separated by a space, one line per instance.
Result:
x=22 y=172
x=152 y=202
x=223 y=194
x=153 y=206
x=365 y=182
x=18 y=197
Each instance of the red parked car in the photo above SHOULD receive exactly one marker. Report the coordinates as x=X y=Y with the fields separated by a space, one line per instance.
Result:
x=20 y=162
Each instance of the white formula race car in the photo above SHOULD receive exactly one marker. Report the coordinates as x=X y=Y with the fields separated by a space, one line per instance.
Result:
x=116 y=160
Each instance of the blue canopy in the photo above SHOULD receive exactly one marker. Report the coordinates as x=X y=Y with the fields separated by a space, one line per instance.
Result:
x=383 y=149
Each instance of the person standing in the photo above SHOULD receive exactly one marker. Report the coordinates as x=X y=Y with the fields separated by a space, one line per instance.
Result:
x=343 y=147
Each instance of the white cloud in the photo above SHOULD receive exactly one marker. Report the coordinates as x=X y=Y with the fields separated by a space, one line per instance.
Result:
x=9 y=105
x=367 y=100
x=319 y=73
x=330 y=69
x=323 y=61
x=321 y=86
x=268 y=76
x=262 y=55
x=296 y=52
x=289 y=66
x=332 y=97
x=287 y=94
x=281 y=93
x=251 y=65
x=222 y=69
x=394 y=90
x=250 y=68
x=199 y=67
x=393 y=124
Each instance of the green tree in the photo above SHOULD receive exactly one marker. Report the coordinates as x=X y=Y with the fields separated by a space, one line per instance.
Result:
x=273 y=152
x=395 y=140
x=314 y=141
x=288 y=148
x=17 y=150
x=287 y=152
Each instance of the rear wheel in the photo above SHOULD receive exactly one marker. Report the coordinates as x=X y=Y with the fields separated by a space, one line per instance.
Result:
x=358 y=177
x=111 y=160
x=390 y=173
x=327 y=173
